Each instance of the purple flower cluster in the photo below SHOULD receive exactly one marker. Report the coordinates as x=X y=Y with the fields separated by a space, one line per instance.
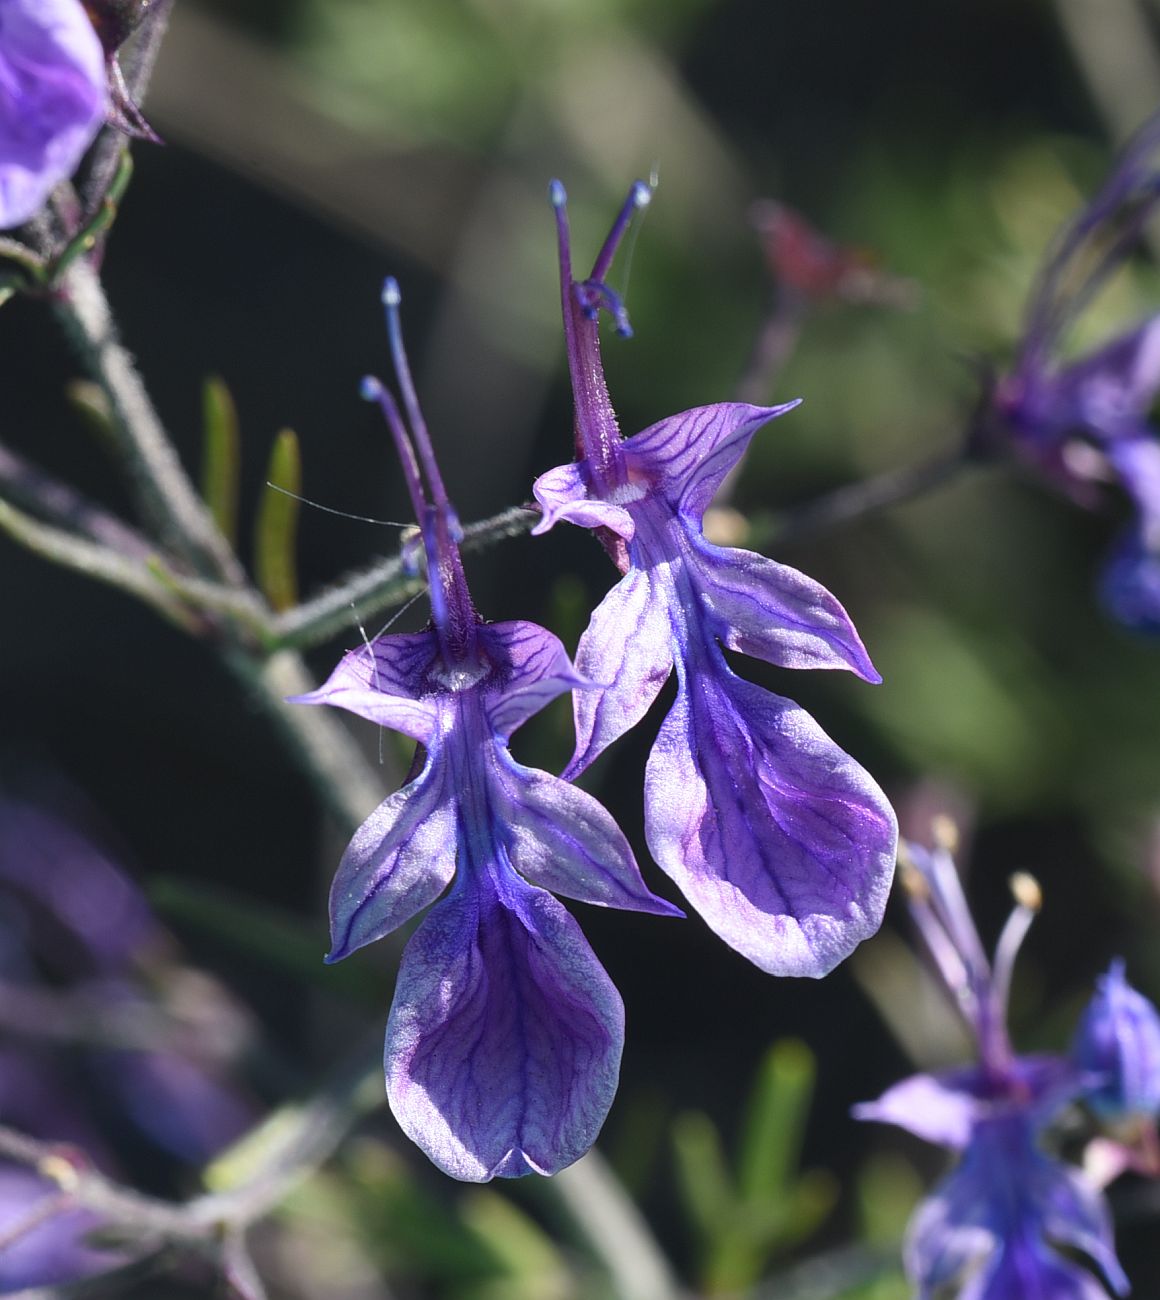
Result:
x=992 y=1229
x=53 y=99
x=1086 y=421
x=504 y=1038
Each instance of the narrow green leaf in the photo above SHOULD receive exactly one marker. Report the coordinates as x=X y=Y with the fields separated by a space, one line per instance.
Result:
x=702 y=1174
x=281 y=942
x=277 y=528
x=771 y=1140
x=221 y=456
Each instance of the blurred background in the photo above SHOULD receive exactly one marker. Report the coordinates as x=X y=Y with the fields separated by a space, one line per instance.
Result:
x=313 y=146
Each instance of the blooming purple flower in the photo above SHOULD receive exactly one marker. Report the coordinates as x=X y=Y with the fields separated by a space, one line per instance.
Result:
x=991 y=1228
x=778 y=838
x=1118 y=1042
x=53 y=97
x=1085 y=421
x=504 y=1038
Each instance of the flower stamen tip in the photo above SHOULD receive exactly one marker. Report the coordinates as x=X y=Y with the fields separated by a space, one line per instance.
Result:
x=392 y=296
x=1026 y=891
x=557 y=195
x=641 y=194
x=370 y=389
x=945 y=832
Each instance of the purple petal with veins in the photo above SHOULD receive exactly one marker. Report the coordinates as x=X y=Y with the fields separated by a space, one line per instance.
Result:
x=775 y=613
x=504 y=1039
x=400 y=860
x=386 y=682
x=775 y=835
x=534 y=670
x=561 y=839
x=687 y=456
x=626 y=653
x=563 y=495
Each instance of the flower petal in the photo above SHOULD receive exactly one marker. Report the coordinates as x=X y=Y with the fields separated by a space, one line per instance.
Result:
x=52 y=69
x=1130 y=583
x=939 y=1108
x=401 y=858
x=1118 y=1042
x=561 y=839
x=775 y=613
x=504 y=1039
x=532 y=669
x=775 y=835
x=1116 y=383
x=626 y=651
x=563 y=494
x=383 y=682
x=687 y=456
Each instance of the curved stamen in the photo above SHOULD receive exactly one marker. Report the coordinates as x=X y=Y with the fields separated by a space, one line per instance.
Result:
x=594 y=294
x=639 y=197
x=372 y=390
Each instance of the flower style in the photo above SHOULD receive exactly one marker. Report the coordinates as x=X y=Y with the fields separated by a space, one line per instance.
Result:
x=1085 y=421
x=504 y=1039
x=992 y=1226
x=53 y=99
x=778 y=838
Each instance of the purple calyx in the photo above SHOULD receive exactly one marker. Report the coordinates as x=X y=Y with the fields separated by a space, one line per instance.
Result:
x=598 y=435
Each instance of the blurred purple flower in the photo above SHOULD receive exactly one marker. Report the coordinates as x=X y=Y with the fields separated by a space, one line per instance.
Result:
x=53 y=98
x=504 y=1039
x=1118 y=1041
x=75 y=937
x=1086 y=421
x=990 y=1229
x=780 y=840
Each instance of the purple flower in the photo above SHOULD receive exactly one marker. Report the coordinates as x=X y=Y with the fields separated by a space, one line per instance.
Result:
x=53 y=97
x=1085 y=421
x=505 y=1034
x=1118 y=1042
x=778 y=838
x=992 y=1227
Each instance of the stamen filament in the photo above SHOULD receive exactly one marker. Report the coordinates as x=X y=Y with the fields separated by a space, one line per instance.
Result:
x=391 y=300
x=638 y=197
x=372 y=390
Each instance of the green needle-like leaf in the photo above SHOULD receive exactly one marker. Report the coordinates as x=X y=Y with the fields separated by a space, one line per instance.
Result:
x=277 y=528
x=221 y=456
x=702 y=1174
x=772 y=1137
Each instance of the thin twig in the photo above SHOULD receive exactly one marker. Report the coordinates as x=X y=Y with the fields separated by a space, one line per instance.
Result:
x=95 y=561
x=384 y=584
x=25 y=484
x=854 y=500
x=166 y=495
x=614 y=1230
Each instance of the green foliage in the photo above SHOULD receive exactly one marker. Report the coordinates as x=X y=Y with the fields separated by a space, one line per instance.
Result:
x=221 y=456
x=764 y=1206
x=276 y=531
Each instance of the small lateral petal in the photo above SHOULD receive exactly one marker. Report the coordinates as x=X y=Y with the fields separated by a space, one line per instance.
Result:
x=563 y=494
x=939 y=1108
x=687 y=456
x=776 y=613
x=400 y=860
x=626 y=654
x=533 y=668
x=504 y=1040
x=780 y=840
x=561 y=839
x=384 y=683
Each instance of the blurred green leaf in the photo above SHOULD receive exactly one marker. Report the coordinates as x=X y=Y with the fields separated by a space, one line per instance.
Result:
x=277 y=528
x=702 y=1175
x=771 y=1140
x=280 y=942
x=221 y=456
